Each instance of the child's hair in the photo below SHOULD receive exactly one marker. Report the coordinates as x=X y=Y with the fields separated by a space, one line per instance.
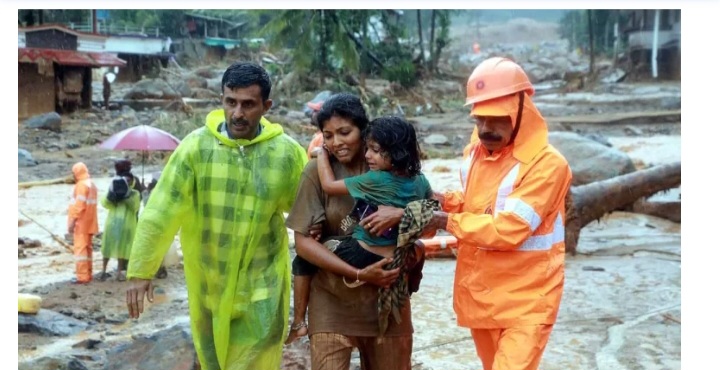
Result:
x=398 y=141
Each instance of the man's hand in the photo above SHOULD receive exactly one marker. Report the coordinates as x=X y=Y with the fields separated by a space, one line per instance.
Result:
x=71 y=227
x=135 y=296
x=385 y=218
x=374 y=274
x=437 y=222
x=315 y=231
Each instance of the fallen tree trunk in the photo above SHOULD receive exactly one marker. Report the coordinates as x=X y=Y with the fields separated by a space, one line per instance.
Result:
x=62 y=180
x=667 y=210
x=591 y=201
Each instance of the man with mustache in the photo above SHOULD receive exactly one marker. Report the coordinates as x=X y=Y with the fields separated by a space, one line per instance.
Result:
x=509 y=221
x=226 y=187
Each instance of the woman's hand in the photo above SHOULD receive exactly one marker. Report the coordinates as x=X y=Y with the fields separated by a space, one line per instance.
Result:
x=374 y=274
x=384 y=218
x=315 y=231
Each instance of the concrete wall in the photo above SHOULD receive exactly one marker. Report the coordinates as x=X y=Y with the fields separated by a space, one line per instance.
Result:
x=134 y=45
x=36 y=93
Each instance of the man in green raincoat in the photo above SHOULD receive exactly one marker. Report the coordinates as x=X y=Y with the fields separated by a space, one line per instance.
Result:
x=225 y=188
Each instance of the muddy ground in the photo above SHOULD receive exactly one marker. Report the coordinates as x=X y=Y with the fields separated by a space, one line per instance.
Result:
x=621 y=308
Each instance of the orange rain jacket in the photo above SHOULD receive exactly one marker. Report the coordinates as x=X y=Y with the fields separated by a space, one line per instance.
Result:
x=84 y=203
x=509 y=221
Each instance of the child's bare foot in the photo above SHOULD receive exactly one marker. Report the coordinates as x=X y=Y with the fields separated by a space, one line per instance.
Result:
x=297 y=330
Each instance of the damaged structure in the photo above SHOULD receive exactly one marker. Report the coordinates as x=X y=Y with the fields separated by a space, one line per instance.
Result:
x=55 y=67
x=654 y=41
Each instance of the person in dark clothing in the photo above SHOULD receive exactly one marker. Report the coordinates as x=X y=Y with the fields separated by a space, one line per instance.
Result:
x=123 y=168
x=106 y=92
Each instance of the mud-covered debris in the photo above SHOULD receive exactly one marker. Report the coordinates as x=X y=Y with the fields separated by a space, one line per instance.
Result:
x=51 y=323
x=89 y=343
x=29 y=243
x=48 y=121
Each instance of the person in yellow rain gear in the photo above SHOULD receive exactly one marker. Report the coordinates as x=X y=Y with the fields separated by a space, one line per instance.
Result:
x=122 y=203
x=82 y=222
x=226 y=187
x=509 y=221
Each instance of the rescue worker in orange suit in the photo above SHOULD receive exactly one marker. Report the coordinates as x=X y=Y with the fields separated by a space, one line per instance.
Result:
x=82 y=222
x=317 y=140
x=509 y=220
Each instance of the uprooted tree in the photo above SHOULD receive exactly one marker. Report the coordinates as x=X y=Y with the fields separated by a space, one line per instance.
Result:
x=592 y=201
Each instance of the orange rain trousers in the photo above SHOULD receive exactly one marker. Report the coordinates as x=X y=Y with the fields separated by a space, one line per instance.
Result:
x=82 y=250
x=516 y=348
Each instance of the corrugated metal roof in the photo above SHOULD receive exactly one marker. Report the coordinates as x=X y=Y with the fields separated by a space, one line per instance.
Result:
x=69 y=57
x=59 y=27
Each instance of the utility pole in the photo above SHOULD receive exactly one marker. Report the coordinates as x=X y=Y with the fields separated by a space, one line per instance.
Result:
x=93 y=19
x=656 y=31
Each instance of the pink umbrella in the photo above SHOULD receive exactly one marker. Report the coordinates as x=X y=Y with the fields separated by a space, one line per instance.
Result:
x=142 y=138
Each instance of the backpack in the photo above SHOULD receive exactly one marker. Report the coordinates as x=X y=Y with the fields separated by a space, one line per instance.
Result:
x=119 y=189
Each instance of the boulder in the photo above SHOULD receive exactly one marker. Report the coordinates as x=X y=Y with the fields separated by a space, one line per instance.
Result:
x=590 y=160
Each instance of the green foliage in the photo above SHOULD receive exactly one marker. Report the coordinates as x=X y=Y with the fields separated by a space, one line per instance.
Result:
x=402 y=72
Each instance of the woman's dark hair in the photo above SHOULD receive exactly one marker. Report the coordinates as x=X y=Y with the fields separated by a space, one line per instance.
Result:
x=244 y=74
x=398 y=141
x=343 y=105
x=123 y=167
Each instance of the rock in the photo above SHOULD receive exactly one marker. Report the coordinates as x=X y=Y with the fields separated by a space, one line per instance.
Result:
x=599 y=138
x=48 y=121
x=53 y=363
x=670 y=103
x=117 y=318
x=87 y=343
x=613 y=76
x=167 y=349
x=51 y=323
x=53 y=148
x=153 y=89
x=590 y=160
x=182 y=88
x=196 y=82
x=296 y=116
x=215 y=84
x=209 y=72
x=72 y=145
x=25 y=159
x=436 y=139
x=29 y=243
x=198 y=93
x=633 y=131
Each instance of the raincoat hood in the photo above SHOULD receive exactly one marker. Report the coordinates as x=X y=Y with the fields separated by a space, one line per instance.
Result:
x=532 y=136
x=80 y=171
x=215 y=118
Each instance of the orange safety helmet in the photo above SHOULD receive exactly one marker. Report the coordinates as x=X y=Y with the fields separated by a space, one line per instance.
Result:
x=496 y=77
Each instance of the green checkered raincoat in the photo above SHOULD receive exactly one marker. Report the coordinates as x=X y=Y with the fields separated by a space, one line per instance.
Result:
x=228 y=198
